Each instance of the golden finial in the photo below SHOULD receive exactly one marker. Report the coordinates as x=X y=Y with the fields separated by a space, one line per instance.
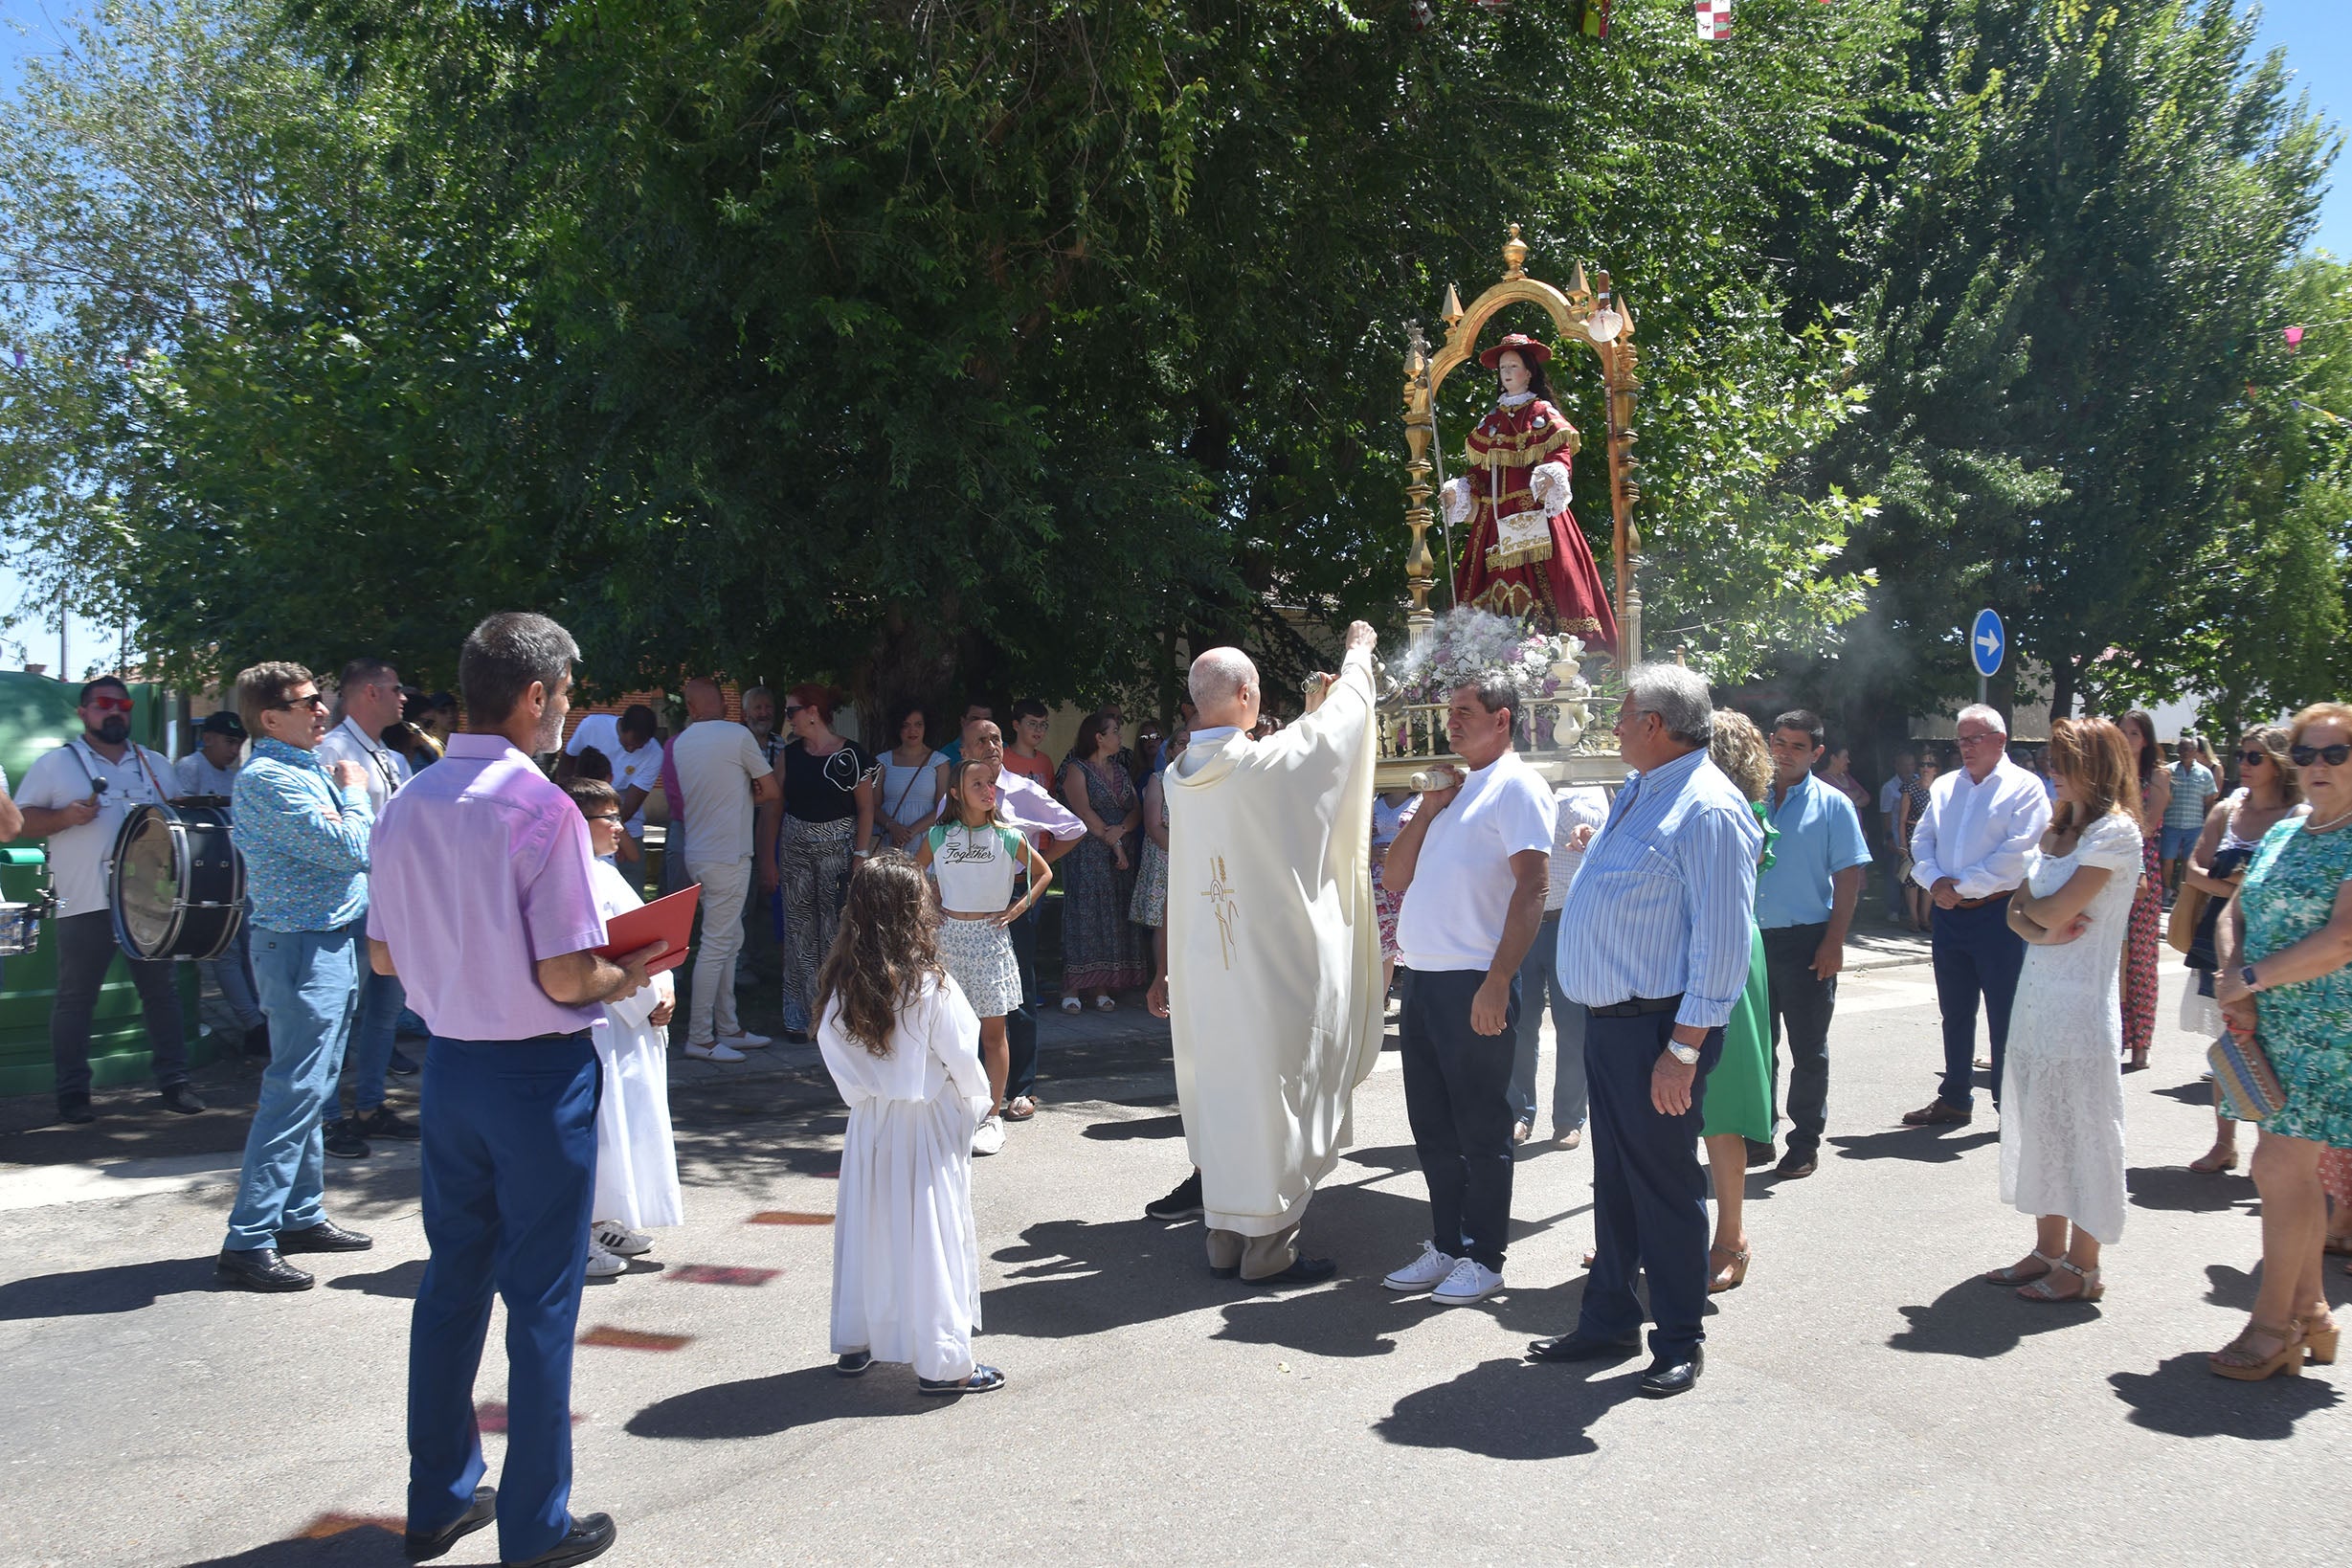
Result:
x=1514 y=254
x=1577 y=284
x=1450 y=311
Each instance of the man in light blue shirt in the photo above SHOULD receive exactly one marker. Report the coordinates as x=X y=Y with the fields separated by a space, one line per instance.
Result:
x=1805 y=903
x=1653 y=941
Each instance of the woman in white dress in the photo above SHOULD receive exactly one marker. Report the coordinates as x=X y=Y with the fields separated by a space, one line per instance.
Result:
x=2062 y=1095
x=902 y=1047
x=637 y=1157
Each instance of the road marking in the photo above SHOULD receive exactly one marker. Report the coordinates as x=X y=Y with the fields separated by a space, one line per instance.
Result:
x=611 y=1338
x=327 y=1525
x=787 y=1217
x=719 y=1274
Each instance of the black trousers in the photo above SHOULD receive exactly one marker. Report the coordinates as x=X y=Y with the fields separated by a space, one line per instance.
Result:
x=1976 y=955
x=1802 y=1004
x=1020 y=1024
x=1457 y=1097
x=86 y=950
x=1649 y=1197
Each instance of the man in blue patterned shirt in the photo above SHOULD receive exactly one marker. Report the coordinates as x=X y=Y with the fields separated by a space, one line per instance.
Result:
x=302 y=828
x=1654 y=942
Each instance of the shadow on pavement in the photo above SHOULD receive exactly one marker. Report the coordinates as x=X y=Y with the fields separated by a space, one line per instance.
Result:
x=2179 y=1188
x=398 y=1282
x=1069 y=1278
x=2185 y=1400
x=1980 y=1320
x=2236 y=1288
x=1143 y=1127
x=758 y=1407
x=2197 y=1091
x=94 y=1292
x=1927 y=1145
x=369 y=1546
x=1508 y=1410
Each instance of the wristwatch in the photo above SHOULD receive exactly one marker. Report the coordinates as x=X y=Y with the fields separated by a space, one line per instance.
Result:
x=1687 y=1055
x=2245 y=978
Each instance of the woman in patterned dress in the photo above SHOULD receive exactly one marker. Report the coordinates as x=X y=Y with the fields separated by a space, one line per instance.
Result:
x=2148 y=907
x=2283 y=946
x=1102 y=948
x=1390 y=810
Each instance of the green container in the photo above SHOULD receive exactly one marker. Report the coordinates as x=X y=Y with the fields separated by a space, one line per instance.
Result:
x=36 y=715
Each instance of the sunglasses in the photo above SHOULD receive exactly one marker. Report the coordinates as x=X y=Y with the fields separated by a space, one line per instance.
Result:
x=110 y=704
x=2335 y=757
x=2251 y=759
x=313 y=701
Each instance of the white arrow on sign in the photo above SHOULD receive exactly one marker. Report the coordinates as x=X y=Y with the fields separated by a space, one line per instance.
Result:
x=1990 y=643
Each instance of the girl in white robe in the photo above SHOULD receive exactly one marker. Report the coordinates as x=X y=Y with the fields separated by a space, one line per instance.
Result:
x=637 y=1155
x=903 y=1045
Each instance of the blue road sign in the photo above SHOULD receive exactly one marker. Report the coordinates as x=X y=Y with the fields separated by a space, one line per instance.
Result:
x=1987 y=642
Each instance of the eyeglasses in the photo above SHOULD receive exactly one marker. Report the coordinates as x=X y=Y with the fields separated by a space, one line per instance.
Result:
x=313 y=701
x=604 y=817
x=1980 y=740
x=110 y=704
x=2251 y=759
x=2335 y=757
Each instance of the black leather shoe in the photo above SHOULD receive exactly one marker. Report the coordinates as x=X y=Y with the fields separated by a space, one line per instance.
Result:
x=383 y=1121
x=426 y=1545
x=181 y=1100
x=261 y=1268
x=258 y=1039
x=1233 y=1273
x=1303 y=1270
x=1572 y=1347
x=1666 y=1379
x=401 y=1064
x=74 y=1109
x=589 y=1538
x=326 y=1236
x=1797 y=1163
x=853 y=1363
x=1183 y=1204
x=1761 y=1152
x=344 y=1142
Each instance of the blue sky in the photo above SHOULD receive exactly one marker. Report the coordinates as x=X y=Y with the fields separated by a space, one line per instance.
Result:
x=2317 y=35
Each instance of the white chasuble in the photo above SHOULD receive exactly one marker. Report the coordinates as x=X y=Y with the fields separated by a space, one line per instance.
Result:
x=1274 y=954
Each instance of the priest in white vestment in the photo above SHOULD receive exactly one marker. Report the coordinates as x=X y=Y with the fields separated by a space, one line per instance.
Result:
x=1274 y=969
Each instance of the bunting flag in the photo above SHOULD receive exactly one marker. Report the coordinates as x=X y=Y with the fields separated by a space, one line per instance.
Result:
x=2294 y=339
x=1714 y=19
x=1596 y=18
x=2313 y=408
x=1420 y=14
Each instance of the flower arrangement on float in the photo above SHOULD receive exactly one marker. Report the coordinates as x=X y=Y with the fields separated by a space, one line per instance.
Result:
x=1466 y=644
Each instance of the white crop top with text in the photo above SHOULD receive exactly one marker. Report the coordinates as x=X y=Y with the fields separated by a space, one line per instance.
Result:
x=975 y=866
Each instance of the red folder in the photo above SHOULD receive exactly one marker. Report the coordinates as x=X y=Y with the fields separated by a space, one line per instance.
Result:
x=668 y=920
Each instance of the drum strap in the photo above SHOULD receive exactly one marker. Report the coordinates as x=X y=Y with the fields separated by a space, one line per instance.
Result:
x=83 y=757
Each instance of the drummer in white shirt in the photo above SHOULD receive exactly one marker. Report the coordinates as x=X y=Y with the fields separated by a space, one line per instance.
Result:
x=211 y=769
x=367 y=696
x=75 y=796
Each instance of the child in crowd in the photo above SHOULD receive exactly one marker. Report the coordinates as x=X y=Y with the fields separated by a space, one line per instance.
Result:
x=636 y=1158
x=974 y=858
x=901 y=1042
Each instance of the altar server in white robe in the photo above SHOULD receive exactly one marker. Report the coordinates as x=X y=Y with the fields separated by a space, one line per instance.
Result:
x=637 y=1157
x=904 y=1048
x=1274 y=969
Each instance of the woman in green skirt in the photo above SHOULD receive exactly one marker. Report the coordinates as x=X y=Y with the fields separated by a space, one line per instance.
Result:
x=1739 y=1100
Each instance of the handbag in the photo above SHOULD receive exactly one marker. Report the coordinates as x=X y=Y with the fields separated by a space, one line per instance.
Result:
x=2199 y=953
x=2187 y=911
x=2242 y=1073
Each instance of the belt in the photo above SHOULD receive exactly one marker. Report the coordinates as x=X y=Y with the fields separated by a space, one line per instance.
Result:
x=1991 y=897
x=1637 y=1007
x=567 y=1034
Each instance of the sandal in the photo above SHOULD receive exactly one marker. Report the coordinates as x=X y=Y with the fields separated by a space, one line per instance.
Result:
x=2241 y=1360
x=1072 y=1004
x=1732 y=1275
x=2044 y=1293
x=2339 y=1245
x=984 y=1379
x=1104 y=1004
x=2319 y=1340
x=2216 y=1164
x=1020 y=1109
x=2015 y=1274
x=2136 y=1062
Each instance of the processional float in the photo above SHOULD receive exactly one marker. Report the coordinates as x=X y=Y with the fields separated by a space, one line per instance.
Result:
x=1569 y=723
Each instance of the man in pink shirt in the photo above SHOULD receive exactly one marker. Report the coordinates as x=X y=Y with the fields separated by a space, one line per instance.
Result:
x=482 y=903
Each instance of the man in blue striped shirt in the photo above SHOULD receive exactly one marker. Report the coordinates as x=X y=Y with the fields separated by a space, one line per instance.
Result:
x=1653 y=941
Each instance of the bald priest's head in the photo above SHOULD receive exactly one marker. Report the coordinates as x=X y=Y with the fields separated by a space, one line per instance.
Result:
x=1224 y=689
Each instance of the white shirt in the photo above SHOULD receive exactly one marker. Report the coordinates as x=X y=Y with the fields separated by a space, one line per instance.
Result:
x=640 y=768
x=387 y=769
x=1888 y=794
x=1586 y=805
x=77 y=856
x=717 y=760
x=1978 y=834
x=195 y=774
x=1460 y=896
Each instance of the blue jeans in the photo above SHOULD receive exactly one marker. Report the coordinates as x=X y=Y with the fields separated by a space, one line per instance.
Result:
x=310 y=982
x=509 y=1177
x=1538 y=981
x=382 y=1000
x=238 y=1012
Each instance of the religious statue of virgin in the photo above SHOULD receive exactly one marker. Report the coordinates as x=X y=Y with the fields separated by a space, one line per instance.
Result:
x=1527 y=558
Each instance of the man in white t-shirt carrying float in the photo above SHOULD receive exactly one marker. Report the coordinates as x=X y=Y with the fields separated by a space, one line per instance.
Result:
x=1274 y=977
x=1474 y=867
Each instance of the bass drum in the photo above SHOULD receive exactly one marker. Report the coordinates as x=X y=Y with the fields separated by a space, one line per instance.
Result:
x=177 y=884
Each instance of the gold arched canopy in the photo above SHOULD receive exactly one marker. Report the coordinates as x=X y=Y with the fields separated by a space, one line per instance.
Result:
x=1570 y=309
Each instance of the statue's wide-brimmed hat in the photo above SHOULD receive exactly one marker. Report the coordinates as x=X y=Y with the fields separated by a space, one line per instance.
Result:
x=1534 y=352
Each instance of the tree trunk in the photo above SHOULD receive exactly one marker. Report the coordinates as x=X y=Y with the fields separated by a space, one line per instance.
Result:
x=2061 y=689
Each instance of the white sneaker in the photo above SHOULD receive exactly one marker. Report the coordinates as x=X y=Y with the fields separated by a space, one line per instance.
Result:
x=603 y=1264
x=744 y=1041
x=615 y=1237
x=714 y=1052
x=988 y=1138
x=1471 y=1281
x=1430 y=1268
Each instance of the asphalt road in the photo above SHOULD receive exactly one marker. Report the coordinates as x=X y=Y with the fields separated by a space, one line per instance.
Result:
x=1864 y=1398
